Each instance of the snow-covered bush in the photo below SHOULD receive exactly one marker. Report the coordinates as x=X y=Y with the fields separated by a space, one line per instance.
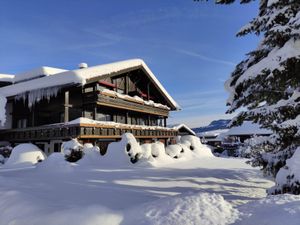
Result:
x=288 y=177
x=123 y=152
x=174 y=151
x=158 y=150
x=91 y=155
x=25 y=155
x=72 y=150
x=195 y=145
x=5 y=152
x=250 y=147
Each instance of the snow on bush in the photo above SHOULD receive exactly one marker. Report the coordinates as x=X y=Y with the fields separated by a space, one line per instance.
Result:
x=272 y=210
x=123 y=152
x=187 y=209
x=5 y=151
x=72 y=150
x=25 y=155
x=55 y=163
x=195 y=145
x=288 y=177
x=154 y=154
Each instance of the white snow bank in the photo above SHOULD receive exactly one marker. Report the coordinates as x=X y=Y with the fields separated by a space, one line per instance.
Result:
x=122 y=153
x=24 y=155
x=272 y=210
x=91 y=155
x=186 y=209
x=55 y=163
x=18 y=209
x=194 y=144
x=288 y=177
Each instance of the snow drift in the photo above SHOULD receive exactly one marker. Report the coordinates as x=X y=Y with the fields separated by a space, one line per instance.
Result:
x=187 y=209
x=25 y=155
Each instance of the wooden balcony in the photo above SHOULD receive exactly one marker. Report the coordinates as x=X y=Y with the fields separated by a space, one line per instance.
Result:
x=119 y=103
x=82 y=131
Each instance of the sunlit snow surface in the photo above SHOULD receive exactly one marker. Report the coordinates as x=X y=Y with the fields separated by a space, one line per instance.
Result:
x=203 y=190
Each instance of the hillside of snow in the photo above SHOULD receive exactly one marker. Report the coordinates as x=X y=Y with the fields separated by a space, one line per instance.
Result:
x=197 y=190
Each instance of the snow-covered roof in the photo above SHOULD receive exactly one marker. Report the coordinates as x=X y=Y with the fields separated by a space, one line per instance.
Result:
x=37 y=73
x=212 y=133
x=248 y=128
x=6 y=78
x=177 y=127
x=78 y=76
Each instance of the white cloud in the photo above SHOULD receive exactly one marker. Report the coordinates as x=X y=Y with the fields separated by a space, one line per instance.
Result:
x=204 y=57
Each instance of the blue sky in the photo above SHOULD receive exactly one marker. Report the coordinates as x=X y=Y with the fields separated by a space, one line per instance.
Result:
x=190 y=46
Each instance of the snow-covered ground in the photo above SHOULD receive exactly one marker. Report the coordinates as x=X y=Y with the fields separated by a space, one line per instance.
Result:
x=202 y=190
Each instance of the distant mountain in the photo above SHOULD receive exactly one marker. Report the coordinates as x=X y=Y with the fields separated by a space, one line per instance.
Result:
x=214 y=125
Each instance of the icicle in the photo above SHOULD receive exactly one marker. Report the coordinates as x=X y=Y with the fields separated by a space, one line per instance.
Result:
x=35 y=96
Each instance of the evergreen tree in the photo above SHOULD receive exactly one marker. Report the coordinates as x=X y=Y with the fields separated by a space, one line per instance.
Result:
x=266 y=85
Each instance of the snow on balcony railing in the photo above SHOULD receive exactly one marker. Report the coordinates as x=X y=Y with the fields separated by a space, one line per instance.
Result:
x=133 y=98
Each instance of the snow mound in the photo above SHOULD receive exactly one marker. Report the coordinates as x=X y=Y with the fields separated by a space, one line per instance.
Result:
x=154 y=154
x=24 y=155
x=20 y=209
x=56 y=162
x=272 y=210
x=124 y=152
x=69 y=146
x=194 y=144
x=91 y=155
x=187 y=209
x=174 y=151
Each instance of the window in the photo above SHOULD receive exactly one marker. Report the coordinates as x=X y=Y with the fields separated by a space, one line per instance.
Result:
x=120 y=118
x=120 y=84
x=22 y=123
x=88 y=114
x=103 y=117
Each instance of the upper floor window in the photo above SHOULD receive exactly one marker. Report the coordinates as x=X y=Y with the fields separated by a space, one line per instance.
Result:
x=22 y=123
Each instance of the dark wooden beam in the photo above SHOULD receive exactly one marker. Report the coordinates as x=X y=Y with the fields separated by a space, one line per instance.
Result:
x=148 y=91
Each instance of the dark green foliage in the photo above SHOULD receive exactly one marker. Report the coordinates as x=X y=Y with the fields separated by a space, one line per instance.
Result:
x=74 y=155
x=266 y=85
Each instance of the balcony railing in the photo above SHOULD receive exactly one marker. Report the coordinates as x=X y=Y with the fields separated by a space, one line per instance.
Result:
x=115 y=102
x=90 y=131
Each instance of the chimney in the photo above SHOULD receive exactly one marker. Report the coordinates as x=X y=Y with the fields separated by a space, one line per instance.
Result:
x=82 y=65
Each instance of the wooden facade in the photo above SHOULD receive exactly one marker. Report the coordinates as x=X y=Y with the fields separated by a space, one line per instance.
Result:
x=47 y=120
